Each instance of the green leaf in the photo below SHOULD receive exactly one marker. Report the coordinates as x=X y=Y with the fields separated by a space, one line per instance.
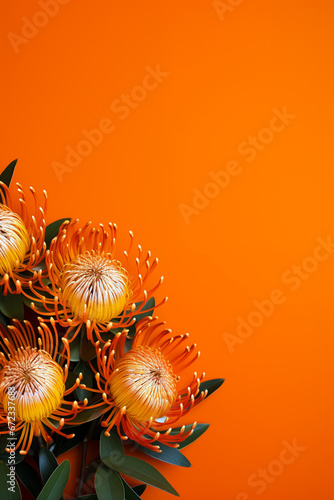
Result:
x=168 y=454
x=148 y=309
x=108 y=484
x=3 y=443
x=4 y=320
x=11 y=305
x=7 y=494
x=29 y=477
x=7 y=174
x=56 y=483
x=70 y=381
x=17 y=459
x=130 y=493
x=91 y=413
x=52 y=230
x=87 y=379
x=211 y=386
x=111 y=447
x=142 y=471
x=74 y=346
x=139 y=489
x=198 y=431
x=47 y=463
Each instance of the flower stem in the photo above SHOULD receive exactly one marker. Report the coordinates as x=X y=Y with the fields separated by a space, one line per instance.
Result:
x=86 y=439
x=83 y=465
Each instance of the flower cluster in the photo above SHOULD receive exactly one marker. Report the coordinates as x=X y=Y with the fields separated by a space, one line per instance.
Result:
x=80 y=347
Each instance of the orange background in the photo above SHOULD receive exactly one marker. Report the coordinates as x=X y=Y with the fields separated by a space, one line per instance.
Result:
x=226 y=75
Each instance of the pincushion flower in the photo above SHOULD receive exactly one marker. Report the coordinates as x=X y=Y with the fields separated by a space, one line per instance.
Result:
x=22 y=245
x=142 y=387
x=32 y=383
x=88 y=285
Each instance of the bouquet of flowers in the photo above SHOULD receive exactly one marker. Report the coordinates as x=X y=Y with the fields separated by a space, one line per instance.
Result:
x=84 y=359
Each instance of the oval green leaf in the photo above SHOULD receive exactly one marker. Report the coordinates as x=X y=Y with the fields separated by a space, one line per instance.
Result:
x=90 y=413
x=108 y=484
x=56 y=483
x=147 y=309
x=74 y=346
x=3 y=442
x=4 y=320
x=71 y=379
x=47 y=463
x=211 y=386
x=198 y=431
x=168 y=454
x=11 y=305
x=29 y=477
x=52 y=230
x=111 y=447
x=130 y=493
x=7 y=174
x=142 y=471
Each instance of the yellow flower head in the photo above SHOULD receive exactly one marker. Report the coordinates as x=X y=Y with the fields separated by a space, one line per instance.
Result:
x=32 y=383
x=22 y=245
x=144 y=382
x=94 y=285
x=89 y=285
x=142 y=387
